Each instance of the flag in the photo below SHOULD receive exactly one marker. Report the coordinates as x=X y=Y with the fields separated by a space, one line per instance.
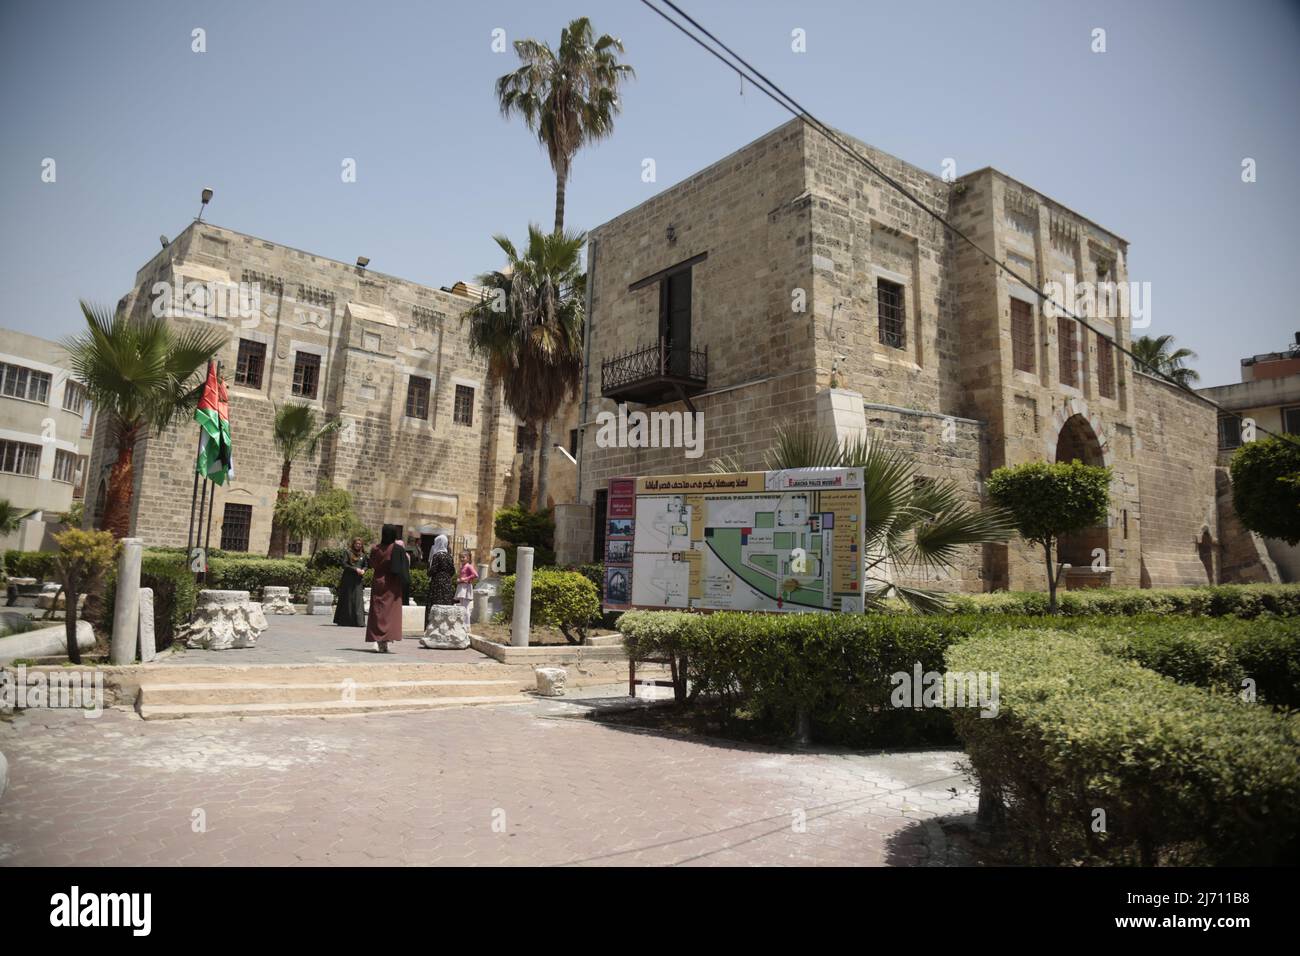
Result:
x=213 y=415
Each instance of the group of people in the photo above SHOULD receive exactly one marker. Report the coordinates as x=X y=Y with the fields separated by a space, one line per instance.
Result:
x=391 y=588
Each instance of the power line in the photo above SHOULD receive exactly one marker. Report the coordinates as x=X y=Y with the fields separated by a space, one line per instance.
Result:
x=787 y=102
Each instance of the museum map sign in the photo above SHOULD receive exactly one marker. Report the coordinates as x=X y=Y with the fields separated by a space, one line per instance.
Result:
x=783 y=541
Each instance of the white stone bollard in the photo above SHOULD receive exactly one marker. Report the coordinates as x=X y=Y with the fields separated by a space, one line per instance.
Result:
x=148 y=645
x=519 y=623
x=126 y=603
x=277 y=600
x=320 y=601
x=551 y=681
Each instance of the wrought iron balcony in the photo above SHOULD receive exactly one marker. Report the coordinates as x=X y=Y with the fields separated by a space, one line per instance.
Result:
x=658 y=373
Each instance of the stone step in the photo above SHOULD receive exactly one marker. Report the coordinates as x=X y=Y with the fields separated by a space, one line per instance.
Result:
x=179 y=672
x=260 y=692
x=309 y=708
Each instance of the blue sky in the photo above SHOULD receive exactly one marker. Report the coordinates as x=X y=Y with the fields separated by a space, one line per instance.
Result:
x=1146 y=139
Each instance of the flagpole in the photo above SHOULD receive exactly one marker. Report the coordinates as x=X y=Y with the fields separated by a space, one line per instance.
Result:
x=194 y=497
x=207 y=545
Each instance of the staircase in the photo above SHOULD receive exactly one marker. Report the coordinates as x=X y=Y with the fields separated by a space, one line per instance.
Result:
x=177 y=691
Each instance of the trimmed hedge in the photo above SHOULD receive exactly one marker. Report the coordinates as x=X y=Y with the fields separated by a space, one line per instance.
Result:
x=1183 y=775
x=1241 y=600
x=32 y=564
x=174 y=594
x=253 y=574
x=563 y=599
x=834 y=670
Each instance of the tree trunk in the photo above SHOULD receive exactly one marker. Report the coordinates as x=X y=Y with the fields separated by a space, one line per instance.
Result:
x=121 y=485
x=1051 y=580
x=543 y=466
x=279 y=536
x=70 y=621
x=526 y=470
x=561 y=183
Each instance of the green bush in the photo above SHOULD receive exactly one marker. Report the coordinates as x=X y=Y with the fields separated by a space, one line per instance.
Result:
x=1266 y=487
x=174 y=594
x=517 y=525
x=1240 y=600
x=1183 y=775
x=542 y=557
x=325 y=558
x=563 y=599
x=834 y=669
x=253 y=574
x=40 y=565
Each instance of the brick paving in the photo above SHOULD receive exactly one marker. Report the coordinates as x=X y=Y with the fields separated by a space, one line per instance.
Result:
x=503 y=785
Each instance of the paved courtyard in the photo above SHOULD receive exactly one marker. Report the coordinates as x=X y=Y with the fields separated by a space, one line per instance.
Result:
x=529 y=783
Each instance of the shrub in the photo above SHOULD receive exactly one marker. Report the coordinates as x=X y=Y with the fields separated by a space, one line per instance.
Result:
x=329 y=558
x=41 y=565
x=253 y=574
x=542 y=557
x=562 y=599
x=1266 y=487
x=517 y=525
x=174 y=594
x=834 y=670
x=84 y=559
x=1240 y=600
x=1183 y=775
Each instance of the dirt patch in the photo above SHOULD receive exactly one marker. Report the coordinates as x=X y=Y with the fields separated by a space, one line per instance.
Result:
x=537 y=636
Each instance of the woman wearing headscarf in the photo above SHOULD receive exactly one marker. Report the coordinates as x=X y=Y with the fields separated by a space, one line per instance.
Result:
x=442 y=576
x=351 y=611
x=392 y=578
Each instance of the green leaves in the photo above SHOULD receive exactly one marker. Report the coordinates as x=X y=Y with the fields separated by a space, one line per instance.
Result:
x=297 y=430
x=1266 y=487
x=1048 y=500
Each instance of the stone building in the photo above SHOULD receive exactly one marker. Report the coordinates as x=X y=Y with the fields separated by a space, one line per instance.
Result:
x=788 y=283
x=1267 y=399
x=426 y=441
x=45 y=428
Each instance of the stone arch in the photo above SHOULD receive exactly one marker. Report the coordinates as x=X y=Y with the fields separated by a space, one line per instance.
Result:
x=1075 y=412
x=1079 y=437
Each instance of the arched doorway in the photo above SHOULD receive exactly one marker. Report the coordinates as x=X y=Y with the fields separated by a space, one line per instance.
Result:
x=1078 y=442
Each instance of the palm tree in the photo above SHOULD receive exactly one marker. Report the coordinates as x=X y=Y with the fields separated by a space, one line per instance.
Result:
x=10 y=519
x=912 y=524
x=144 y=373
x=296 y=433
x=568 y=98
x=1154 y=354
x=529 y=327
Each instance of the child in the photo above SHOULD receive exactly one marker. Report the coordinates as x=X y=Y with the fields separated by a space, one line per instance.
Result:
x=465 y=585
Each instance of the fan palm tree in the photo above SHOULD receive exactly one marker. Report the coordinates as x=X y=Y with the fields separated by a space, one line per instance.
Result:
x=143 y=373
x=910 y=524
x=529 y=328
x=568 y=97
x=1155 y=354
x=297 y=432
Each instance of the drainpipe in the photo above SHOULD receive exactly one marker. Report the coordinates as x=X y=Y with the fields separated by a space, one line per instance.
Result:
x=586 y=357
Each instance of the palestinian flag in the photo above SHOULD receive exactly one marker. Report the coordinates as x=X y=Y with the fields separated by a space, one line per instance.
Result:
x=213 y=415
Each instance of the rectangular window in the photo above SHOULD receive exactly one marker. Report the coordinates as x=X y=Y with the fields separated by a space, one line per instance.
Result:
x=1229 y=432
x=1023 y=350
x=236 y=522
x=1291 y=420
x=293 y=547
x=306 y=374
x=891 y=314
x=573 y=442
x=24 y=383
x=1105 y=367
x=65 y=466
x=74 y=398
x=417 y=397
x=252 y=359
x=20 y=458
x=1067 y=351
x=79 y=487
x=463 y=410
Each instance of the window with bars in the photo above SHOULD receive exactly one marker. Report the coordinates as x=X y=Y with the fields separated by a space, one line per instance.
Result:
x=251 y=361
x=306 y=374
x=1229 y=432
x=74 y=398
x=20 y=458
x=573 y=442
x=463 y=409
x=1067 y=347
x=891 y=314
x=65 y=466
x=1105 y=367
x=25 y=383
x=236 y=522
x=417 y=397
x=1023 y=351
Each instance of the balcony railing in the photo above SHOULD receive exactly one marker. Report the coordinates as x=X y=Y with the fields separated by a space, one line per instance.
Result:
x=655 y=373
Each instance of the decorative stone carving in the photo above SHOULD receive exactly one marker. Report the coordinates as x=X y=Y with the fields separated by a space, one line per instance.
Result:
x=551 y=681
x=148 y=646
x=446 y=629
x=320 y=601
x=225 y=619
x=276 y=600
